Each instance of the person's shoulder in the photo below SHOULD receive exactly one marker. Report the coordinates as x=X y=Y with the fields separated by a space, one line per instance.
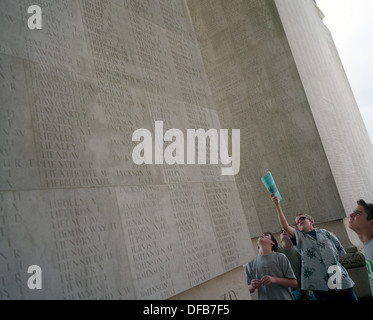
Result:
x=369 y=245
x=251 y=265
x=252 y=262
x=281 y=259
x=280 y=255
x=298 y=235
x=328 y=233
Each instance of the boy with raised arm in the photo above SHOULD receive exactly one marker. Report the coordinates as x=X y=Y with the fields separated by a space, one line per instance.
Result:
x=270 y=272
x=320 y=249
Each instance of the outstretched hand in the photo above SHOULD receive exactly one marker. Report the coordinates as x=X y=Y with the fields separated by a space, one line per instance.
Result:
x=274 y=199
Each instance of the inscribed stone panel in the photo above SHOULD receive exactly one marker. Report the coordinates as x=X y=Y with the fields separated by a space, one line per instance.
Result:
x=169 y=237
x=17 y=148
x=75 y=236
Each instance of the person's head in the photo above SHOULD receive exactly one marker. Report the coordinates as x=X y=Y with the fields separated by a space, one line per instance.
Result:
x=267 y=239
x=304 y=222
x=286 y=243
x=361 y=219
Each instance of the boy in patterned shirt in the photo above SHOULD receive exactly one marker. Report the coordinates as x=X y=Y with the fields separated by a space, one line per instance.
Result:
x=320 y=250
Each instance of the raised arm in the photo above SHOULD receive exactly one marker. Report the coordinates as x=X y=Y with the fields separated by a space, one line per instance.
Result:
x=284 y=224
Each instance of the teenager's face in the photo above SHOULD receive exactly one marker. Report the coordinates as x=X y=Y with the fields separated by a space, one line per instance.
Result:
x=265 y=238
x=304 y=224
x=286 y=243
x=358 y=219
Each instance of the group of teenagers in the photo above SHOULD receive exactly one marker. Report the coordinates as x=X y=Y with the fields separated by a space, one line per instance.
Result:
x=311 y=255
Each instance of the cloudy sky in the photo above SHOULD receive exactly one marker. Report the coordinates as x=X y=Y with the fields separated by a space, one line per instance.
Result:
x=351 y=24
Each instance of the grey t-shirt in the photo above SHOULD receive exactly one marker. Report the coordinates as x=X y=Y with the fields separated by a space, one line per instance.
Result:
x=276 y=265
x=368 y=252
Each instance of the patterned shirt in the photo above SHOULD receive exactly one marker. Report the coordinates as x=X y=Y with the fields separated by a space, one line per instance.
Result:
x=317 y=256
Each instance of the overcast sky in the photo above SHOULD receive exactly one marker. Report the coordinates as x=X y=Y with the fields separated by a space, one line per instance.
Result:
x=351 y=24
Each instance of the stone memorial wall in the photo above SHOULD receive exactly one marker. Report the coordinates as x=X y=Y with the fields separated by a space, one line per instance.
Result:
x=101 y=79
x=72 y=201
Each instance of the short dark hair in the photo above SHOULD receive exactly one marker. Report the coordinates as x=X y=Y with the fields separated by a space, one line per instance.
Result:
x=275 y=246
x=368 y=208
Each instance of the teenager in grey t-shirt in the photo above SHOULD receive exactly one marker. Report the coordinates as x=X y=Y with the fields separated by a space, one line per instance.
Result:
x=276 y=265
